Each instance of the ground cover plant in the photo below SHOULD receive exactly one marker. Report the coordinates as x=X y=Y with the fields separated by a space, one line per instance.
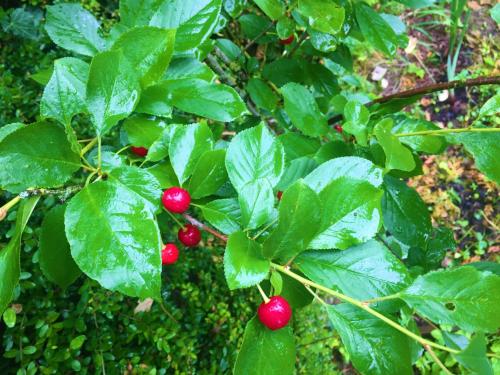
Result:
x=232 y=120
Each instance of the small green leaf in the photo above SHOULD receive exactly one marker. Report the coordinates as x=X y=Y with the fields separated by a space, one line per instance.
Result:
x=474 y=358
x=363 y=272
x=211 y=100
x=188 y=67
x=209 y=174
x=112 y=90
x=257 y=203
x=375 y=29
x=350 y=214
x=491 y=107
x=405 y=214
x=149 y=50
x=74 y=28
x=165 y=174
x=244 y=265
x=461 y=296
x=397 y=156
x=5 y=130
x=303 y=110
x=430 y=144
x=9 y=317
x=285 y=27
x=265 y=352
x=277 y=282
x=297 y=145
x=187 y=145
x=193 y=19
x=297 y=169
x=124 y=254
x=299 y=219
x=324 y=15
x=64 y=95
x=55 y=258
x=155 y=101
x=374 y=347
x=224 y=214
x=262 y=94
x=77 y=342
x=143 y=131
x=263 y=157
x=274 y=9
x=10 y=268
x=357 y=117
x=37 y=155
x=351 y=167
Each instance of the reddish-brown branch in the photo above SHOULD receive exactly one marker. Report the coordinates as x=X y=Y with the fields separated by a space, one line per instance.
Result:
x=429 y=89
x=200 y=225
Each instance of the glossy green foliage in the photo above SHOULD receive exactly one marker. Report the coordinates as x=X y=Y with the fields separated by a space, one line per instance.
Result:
x=224 y=214
x=325 y=16
x=260 y=345
x=124 y=255
x=37 y=155
x=244 y=265
x=397 y=156
x=209 y=174
x=460 y=296
x=374 y=346
x=55 y=258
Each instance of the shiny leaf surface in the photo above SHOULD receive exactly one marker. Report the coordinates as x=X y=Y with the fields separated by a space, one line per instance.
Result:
x=257 y=203
x=209 y=174
x=397 y=156
x=224 y=214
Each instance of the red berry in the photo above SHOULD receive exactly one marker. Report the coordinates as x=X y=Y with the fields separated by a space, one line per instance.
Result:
x=169 y=254
x=279 y=195
x=288 y=40
x=189 y=235
x=338 y=128
x=176 y=199
x=276 y=313
x=139 y=151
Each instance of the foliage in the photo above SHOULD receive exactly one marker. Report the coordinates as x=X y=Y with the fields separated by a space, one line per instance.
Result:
x=235 y=131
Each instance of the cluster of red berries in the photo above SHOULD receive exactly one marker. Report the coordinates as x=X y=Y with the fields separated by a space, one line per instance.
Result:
x=177 y=200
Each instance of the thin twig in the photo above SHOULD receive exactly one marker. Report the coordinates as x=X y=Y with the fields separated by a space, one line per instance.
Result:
x=296 y=47
x=200 y=225
x=437 y=360
x=261 y=34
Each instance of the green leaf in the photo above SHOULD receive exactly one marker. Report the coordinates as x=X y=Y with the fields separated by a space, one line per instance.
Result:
x=137 y=13
x=474 y=358
x=285 y=27
x=405 y=214
x=139 y=181
x=208 y=175
x=187 y=145
x=303 y=110
x=276 y=282
x=350 y=214
x=9 y=317
x=265 y=352
x=485 y=148
x=375 y=29
x=10 y=267
x=143 y=131
x=491 y=107
x=165 y=174
x=159 y=148
x=5 y=130
x=262 y=94
x=495 y=13
x=299 y=219
x=155 y=101
x=272 y=8
x=211 y=100
x=124 y=254
x=363 y=272
x=374 y=347
x=298 y=168
x=64 y=95
x=194 y=20
x=244 y=265
x=55 y=258
x=431 y=144
x=397 y=156
x=297 y=145
x=37 y=155
x=77 y=342
x=254 y=154
x=351 y=167
x=188 y=67
x=357 y=117
x=149 y=50
x=74 y=28
x=112 y=90
x=224 y=214
x=324 y=15
x=257 y=203
x=461 y=296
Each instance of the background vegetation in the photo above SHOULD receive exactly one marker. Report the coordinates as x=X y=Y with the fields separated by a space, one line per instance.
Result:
x=90 y=330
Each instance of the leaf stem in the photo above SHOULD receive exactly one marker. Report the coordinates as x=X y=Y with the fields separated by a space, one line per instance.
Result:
x=446 y=131
x=7 y=206
x=315 y=295
x=437 y=360
x=206 y=228
x=362 y=306
x=99 y=156
x=264 y=229
x=384 y=298
x=174 y=218
x=88 y=147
